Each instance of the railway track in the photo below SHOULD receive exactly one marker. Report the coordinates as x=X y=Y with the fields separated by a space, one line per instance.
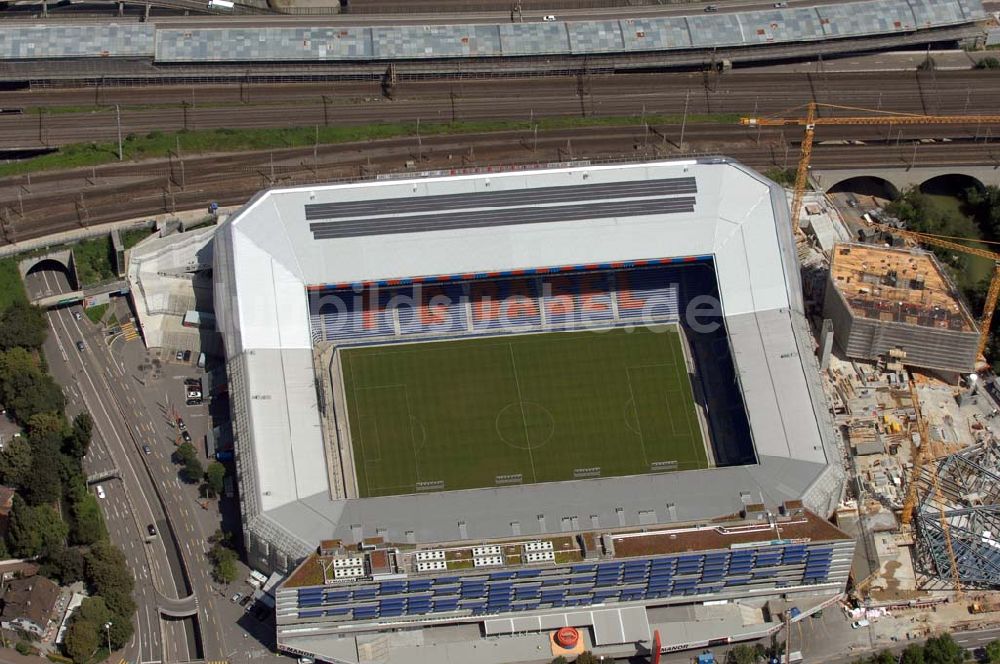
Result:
x=54 y=202
x=50 y=118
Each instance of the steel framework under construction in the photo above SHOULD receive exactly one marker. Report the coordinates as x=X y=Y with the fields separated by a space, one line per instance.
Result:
x=958 y=518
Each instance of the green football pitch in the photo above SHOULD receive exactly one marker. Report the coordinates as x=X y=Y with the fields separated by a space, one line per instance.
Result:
x=470 y=413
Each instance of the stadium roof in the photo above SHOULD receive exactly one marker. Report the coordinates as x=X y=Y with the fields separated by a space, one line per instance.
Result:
x=269 y=253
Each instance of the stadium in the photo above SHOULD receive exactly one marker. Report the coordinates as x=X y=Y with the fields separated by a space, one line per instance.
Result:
x=476 y=401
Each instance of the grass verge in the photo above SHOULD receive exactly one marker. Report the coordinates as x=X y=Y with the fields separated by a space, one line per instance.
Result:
x=93 y=260
x=96 y=313
x=11 y=286
x=158 y=144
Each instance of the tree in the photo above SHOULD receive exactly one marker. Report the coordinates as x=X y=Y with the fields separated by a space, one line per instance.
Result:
x=586 y=657
x=225 y=571
x=24 y=388
x=77 y=442
x=943 y=650
x=215 y=476
x=22 y=325
x=40 y=396
x=184 y=452
x=988 y=63
x=885 y=657
x=34 y=530
x=914 y=654
x=15 y=463
x=95 y=610
x=992 y=651
x=88 y=523
x=108 y=576
x=192 y=470
x=783 y=176
x=741 y=654
x=45 y=487
x=121 y=631
x=985 y=205
x=66 y=565
x=223 y=559
x=82 y=640
x=49 y=425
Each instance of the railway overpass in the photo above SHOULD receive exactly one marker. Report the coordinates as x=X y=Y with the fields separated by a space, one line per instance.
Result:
x=895 y=179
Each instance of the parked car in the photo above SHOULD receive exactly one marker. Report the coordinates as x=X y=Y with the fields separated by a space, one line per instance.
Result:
x=100 y=491
x=151 y=529
x=179 y=356
x=780 y=5
x=548 y=18
x=186 y=436
x=711 y=8
x=194 y=394
x=194 y=402
x=77 y=315
x=237 y=597
x=246 y=600
x=192 y=382
x=180 y=424
x=858 y=624
x=80 y=346
x=146 y=450
x=187 y=356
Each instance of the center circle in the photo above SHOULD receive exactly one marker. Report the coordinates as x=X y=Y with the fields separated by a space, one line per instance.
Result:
x=525 y=425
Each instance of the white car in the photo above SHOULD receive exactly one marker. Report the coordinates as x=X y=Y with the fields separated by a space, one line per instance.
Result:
x=548 y=18
x=100 y=491
x=858 y=624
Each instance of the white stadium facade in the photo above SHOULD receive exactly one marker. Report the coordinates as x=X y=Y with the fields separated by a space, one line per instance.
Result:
x=715 y=233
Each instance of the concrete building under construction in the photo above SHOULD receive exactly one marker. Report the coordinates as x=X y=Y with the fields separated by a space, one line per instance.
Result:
x=898 y=304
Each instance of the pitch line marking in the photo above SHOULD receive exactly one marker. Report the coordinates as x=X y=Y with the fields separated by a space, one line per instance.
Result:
x=524 y=419
x=413 y=443
x=354 y=400
x=688 y=411
x=638 y=420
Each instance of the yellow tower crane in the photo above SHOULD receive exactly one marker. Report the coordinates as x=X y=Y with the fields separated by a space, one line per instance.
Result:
x=812 y=119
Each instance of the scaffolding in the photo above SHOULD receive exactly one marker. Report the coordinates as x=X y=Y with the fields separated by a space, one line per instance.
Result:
x=958 y=518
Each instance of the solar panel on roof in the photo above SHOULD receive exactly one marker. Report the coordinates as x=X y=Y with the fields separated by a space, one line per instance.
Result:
x=538 y=195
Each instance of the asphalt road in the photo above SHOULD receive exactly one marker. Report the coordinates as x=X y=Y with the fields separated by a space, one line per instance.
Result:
x=129 y=505
x=97 y=379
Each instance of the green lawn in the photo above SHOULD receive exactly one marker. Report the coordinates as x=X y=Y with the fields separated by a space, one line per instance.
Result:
x=157 y=144
x=541 y=406
x=11 y=286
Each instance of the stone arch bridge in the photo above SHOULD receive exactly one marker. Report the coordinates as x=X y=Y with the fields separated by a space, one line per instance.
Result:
x=891 y=180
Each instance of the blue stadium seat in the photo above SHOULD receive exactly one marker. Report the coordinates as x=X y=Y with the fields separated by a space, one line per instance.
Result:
x=504 y=304
x=431 y=308
x=646 y=294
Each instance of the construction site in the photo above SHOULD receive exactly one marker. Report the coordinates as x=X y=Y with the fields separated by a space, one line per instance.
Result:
x=914 y=401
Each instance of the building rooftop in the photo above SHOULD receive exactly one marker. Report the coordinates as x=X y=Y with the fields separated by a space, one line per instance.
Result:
x=898 y=285
x=271 y=253
x=31 y=599
x=390 y=560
